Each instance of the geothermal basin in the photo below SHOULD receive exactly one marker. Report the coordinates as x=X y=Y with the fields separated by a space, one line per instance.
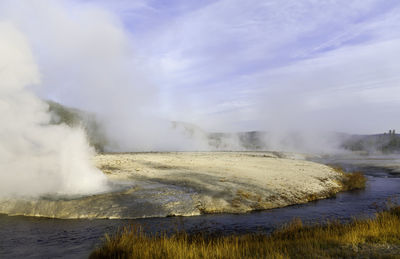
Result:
x=39 y=237
x=187 y=184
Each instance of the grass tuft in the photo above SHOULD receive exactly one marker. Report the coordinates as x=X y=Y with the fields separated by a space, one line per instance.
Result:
x=352 y=181
x=368 y=238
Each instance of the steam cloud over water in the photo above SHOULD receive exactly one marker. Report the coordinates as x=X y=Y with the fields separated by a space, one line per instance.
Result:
x=36 y=158
x=139 y=67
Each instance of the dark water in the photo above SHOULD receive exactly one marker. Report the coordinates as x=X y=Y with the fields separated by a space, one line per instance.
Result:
x=28 y=237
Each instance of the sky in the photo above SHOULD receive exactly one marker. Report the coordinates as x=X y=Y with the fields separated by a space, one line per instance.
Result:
x=225 y=65
x=244 y=65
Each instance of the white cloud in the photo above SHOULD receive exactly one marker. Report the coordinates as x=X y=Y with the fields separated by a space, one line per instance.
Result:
x=319 y=56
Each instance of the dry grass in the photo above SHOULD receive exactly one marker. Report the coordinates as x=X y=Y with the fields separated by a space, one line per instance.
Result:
x=352 y=181
x=371 y=238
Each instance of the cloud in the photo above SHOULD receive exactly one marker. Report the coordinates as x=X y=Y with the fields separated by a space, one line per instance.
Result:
x=226 y=58
x=224 y=65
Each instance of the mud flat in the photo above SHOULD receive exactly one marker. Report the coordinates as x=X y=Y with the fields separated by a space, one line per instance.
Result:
x=190 y=183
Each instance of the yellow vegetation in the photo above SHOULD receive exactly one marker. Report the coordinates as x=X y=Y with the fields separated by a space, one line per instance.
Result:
x=351 y=181
x=369 y=238
x=355 y=180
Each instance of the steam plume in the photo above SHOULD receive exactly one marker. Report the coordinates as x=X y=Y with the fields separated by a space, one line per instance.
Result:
x=36 y=158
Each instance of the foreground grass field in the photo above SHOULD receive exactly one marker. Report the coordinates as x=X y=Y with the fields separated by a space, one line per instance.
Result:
x=378 y=237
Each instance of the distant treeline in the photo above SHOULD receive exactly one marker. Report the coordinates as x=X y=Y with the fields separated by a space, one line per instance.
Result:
x=251 y=140
x=385 y=143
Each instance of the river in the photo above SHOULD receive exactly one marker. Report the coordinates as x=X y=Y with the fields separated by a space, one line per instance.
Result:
x=30 y=237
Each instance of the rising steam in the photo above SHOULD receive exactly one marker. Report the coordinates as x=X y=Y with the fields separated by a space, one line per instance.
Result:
x=36 y=158
x=136 y=84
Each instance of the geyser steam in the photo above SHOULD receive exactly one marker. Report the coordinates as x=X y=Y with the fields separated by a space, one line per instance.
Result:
x=36 y=158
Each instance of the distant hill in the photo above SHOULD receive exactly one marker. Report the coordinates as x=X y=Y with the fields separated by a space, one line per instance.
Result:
x=386 y=143
x=74 y=118
x=248 y=140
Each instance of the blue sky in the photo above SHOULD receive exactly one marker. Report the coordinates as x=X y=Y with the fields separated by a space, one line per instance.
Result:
x=234 y=65
x=241 y=63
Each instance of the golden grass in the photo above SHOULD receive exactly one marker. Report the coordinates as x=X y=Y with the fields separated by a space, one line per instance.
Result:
x=352 y=181
x=355 y=180
x=378 y=237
